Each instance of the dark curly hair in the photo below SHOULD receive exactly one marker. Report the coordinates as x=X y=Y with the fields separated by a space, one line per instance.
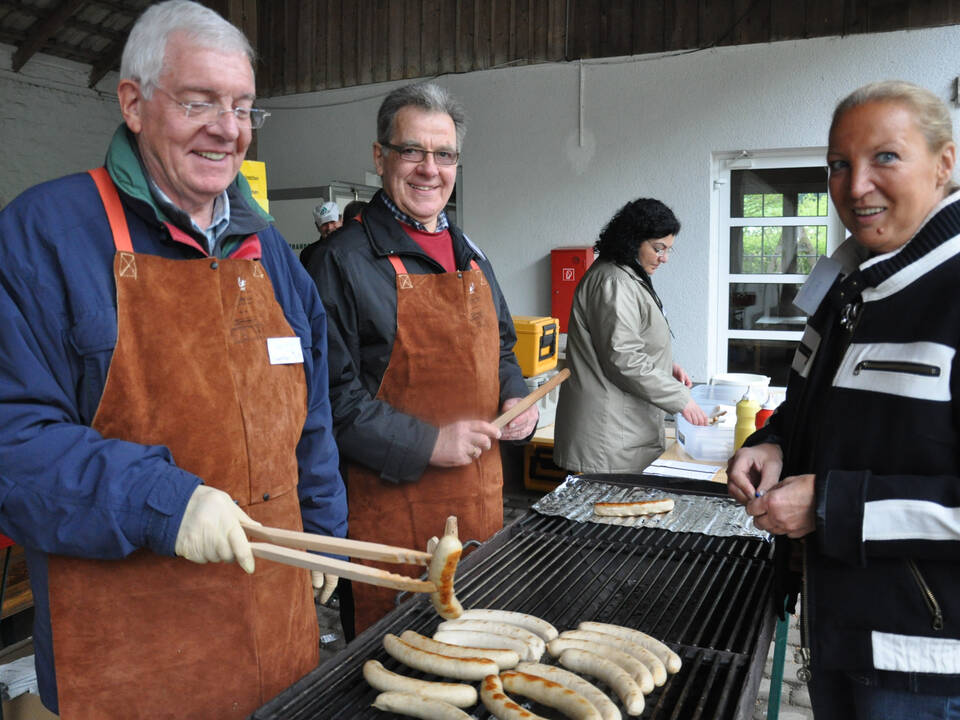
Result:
x=638 y=220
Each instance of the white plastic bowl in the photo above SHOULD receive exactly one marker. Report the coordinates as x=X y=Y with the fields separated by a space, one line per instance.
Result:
x=712 y=443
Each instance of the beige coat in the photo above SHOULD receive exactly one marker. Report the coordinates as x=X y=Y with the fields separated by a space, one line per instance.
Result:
x=610 y=412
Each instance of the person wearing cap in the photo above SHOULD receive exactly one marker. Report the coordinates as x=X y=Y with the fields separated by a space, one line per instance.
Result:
x=163 y=382
x=421 y=346
x=327 y=218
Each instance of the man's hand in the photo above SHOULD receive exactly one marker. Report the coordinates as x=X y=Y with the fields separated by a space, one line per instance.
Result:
x=210 y=530
x=694 y=414
x=462 y=442
x=323 y=585
x=753 y=470
x=523 y=424
x=680 y=374
x=787 y=508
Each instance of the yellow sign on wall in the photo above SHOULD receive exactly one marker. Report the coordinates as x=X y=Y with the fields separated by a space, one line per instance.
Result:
x=255 y=171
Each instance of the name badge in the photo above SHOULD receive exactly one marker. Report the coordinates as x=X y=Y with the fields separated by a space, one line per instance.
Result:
x=284 y=350
x=818 y=283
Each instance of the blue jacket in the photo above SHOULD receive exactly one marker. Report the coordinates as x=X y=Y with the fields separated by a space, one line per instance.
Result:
x=63 y=488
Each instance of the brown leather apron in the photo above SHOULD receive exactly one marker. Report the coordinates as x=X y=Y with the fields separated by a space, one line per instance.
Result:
x=444 y=367
x=159 y=637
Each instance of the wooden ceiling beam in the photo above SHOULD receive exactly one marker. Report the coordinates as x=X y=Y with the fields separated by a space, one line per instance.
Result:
x=42 y=31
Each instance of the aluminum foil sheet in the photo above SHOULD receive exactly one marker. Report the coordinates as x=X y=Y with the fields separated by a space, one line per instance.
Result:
x=575 y=497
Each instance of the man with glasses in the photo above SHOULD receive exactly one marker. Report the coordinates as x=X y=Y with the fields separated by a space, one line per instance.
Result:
x=421 y=347
x=163 y=379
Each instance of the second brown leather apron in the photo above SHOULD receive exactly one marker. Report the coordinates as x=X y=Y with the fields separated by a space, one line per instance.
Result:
x=444 y=367
x=159 y=637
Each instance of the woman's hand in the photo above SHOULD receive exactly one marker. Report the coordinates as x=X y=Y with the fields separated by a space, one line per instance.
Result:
x=753 y=470
x=694 y=414
x=786 y=509
x=680 y=374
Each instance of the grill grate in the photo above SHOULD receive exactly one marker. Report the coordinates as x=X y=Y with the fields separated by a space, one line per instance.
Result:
x=705 y=596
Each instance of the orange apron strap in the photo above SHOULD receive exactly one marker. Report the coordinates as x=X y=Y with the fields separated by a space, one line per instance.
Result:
x=111 y=203
x=401 y=269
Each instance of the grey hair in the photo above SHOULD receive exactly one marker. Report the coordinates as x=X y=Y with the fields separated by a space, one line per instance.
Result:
x=929 y=112
x=426 y=96
x=146 y=47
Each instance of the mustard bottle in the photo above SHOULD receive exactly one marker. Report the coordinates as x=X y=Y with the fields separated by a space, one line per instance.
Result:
x=746 y=420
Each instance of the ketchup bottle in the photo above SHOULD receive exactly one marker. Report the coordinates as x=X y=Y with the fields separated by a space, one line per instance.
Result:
x=764 y=413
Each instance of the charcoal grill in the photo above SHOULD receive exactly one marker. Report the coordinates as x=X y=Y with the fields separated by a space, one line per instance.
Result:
x=707 y=597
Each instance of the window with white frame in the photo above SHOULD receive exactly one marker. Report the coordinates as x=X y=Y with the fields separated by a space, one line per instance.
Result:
x=774 y=221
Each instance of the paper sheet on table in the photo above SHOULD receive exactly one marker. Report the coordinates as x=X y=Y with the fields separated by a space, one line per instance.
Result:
x=677 y=468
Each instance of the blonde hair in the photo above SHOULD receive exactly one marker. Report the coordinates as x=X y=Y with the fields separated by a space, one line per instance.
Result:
x=929 y=112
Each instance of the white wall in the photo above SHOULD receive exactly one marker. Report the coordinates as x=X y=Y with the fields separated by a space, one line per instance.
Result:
x=650 y=126
x=51 y=123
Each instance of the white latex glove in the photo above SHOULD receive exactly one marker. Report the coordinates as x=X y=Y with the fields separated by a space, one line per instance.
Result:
x=210 y=530
x=323 y=585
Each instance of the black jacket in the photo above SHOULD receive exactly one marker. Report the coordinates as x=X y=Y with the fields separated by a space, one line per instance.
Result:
x=872 y=411
x=358 y=287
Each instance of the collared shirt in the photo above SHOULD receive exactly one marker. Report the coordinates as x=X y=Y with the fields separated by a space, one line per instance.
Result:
x=442 y=223
x=219 y=221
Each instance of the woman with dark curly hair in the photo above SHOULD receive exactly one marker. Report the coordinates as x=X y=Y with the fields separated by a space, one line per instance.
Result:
x=611 y=410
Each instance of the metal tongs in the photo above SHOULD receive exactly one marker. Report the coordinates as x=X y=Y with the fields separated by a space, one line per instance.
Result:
x=288 y=546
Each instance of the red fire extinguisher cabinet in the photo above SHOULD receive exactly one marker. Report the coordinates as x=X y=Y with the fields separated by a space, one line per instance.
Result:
x=567 y=266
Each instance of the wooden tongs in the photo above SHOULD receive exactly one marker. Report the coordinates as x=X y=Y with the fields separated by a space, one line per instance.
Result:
x=289 y=546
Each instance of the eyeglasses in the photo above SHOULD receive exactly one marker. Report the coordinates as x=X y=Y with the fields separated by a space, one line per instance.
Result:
x=206 y=113
x=661 y=250
x=418 y=155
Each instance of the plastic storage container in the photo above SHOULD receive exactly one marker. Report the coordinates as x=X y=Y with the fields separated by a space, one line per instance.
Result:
x=539 y=470
x=758 y=384
x=536 y=347
x=713 y=443
x=547 y=405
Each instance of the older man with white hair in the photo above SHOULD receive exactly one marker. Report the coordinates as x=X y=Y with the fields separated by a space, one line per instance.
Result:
x=163 y=379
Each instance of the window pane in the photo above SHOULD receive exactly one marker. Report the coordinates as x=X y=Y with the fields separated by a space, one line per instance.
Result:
x=765 y=306
x=776 y=249
x=764 y=357
x=812 y=204
x=772 y=249
x=753 y=205
x=773 y=205
x=780 y=191
x=811 y=244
